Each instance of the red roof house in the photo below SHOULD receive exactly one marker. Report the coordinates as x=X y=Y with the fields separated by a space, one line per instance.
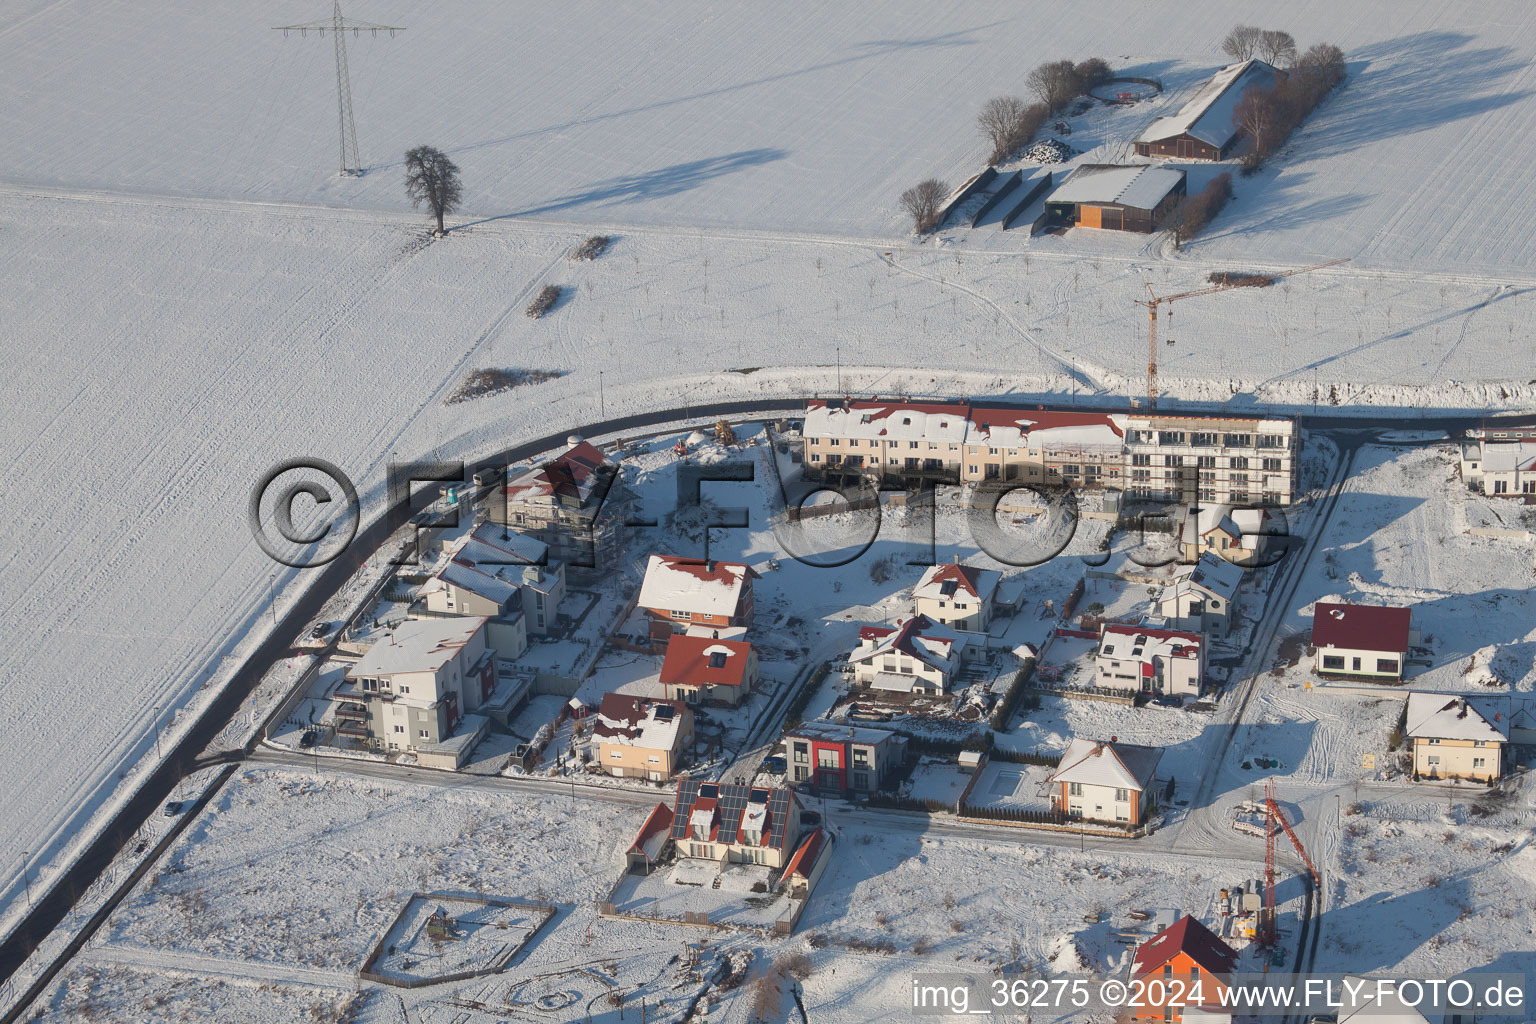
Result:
x=1361 y=640
x=651 y=841
x=1188 y=950
x=701 y=668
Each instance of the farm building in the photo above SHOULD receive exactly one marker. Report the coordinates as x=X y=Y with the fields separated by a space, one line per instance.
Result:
x=1119 y=197
x=1204 y=128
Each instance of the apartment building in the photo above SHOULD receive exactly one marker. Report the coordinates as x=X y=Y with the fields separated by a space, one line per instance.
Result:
x=414 y=685
x=1186 y=458
x=574 y=503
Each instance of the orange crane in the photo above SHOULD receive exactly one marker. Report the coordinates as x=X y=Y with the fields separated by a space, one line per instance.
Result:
x=1156 y=300
x=1277 y=818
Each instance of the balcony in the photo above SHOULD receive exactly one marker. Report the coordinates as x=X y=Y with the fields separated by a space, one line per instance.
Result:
x=351 y=713
x=355 y=730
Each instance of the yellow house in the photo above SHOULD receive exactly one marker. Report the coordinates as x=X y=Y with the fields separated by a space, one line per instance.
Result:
x=1456 y=737
x=638 y=737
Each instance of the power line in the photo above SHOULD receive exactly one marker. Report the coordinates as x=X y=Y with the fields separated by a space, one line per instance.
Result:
x=339 y=26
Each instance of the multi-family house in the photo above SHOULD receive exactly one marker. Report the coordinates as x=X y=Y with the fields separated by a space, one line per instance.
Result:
x=959 y=596
x=640 y=737
x=702 y=669
x=684 y=592
x=1456 y=737
x=1201 y=598
x=1139 y=659
x=842 y=759
x=575 y=503
x=414 y=685
x=916 y=655
x=498 y=574
x=1211 y=459
x=734 y=824
x=1361 y=640
x=1106 y=781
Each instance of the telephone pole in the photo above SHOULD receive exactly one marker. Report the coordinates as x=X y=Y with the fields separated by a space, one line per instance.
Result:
x=339 y=26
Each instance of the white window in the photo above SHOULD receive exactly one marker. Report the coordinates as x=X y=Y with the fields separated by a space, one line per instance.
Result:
x=1122 y=795
x=424 y=734
x=615 y=755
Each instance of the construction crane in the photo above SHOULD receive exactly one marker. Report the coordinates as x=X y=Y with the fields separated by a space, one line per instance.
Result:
x=1278 y=823
x=1156 y=300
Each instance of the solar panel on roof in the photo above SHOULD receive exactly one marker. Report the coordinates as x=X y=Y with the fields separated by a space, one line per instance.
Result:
x=709 y=791
x=778 y=812
x=733 y=800
x=664 y=712
x=687 y=793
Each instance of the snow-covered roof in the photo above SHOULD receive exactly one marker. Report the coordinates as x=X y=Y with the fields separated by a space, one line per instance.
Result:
x=490 y=561
x=945 y=582
x=639 y=721
x=1208 y=114
x=653 y=833
x=1376 y=1001
x=1187 y=936
x=1139 y=643
x=1507 y=456
x=1212 y=574
x=571 y=476
x=916 y=636
x=693 y=585
x=1449 y=717
x=1245 y=524
x=418 y=645
x=834 y=732
x=894 y=421
x=1138 y=186
x=1361 y=627
x=1112 y=764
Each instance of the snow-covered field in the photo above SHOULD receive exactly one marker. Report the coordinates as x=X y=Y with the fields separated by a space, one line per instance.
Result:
x=188 y=295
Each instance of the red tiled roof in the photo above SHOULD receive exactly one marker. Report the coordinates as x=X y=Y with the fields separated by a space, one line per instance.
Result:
x=687 y=662
x=660 y=820
x=966 y=577
x=906 y=630
x=1039 y=419
x=729 y=573
x=564 y=476
x=805 y=857
x=1188 y=936
x=1361 y=627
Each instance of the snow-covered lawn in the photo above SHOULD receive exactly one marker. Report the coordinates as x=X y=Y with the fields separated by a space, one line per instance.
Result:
x=1059 y=720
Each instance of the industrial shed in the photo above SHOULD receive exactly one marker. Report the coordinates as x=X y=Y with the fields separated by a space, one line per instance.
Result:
x=1120 y=197
x=1204 y=129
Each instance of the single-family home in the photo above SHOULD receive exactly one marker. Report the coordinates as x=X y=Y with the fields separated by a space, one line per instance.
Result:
x=1456 y=737
x=1191 y=952
x=1361 y=640
x=640 y=737
x=1500 y=460
x=913 y=656
x=1106 y=781
x=1139 y=659
x=842 y=759
x=702 y=669
x=1238 y=535
x=652 y=841
x=735 y=824
x=412 y=687
x=683 y=592
x=1200 y=597
x=955 y=595
x=575 y=503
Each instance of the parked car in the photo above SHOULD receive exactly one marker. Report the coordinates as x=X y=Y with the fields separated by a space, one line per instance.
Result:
x=808 y=817
x=1168 y=700
x=320 y=630
x=307 y=739
x=775 y=765
x=174 y=808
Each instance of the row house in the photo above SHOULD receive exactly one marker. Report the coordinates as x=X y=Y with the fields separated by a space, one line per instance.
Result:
x=841 y=759
x=414 y=686
x=733 y=824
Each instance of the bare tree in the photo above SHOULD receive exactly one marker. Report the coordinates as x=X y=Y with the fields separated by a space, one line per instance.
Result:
x=1007 y=122
x=922 y=201
x=1055 y=83
x=1091 y=72
x=433 y=179
x=1256 y=116
x=1276 y=47
x=1242 y=42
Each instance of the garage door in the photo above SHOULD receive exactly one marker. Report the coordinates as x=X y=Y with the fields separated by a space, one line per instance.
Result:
x=1088 y=216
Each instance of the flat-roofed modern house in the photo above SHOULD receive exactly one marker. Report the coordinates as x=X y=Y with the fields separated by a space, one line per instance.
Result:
x=415 y=684
x=1106 y=781
x=958 y=596
x=1118 y=197
x=1138 y=659
x=842 y=759
x=914 y=656
x=734 y=824
x=1500 y=461
x=640 y=737
x=1205 y=128
x=702 y=669
x=684 y=592
x=1361 y=640
x=1457 y=737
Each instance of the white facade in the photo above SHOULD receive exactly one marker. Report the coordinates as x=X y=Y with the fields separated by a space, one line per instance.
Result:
x=959 y=596
x=1211 y=459
x=1201 y=598
x=1141 y=660
x=419 y=680
x=914 y=656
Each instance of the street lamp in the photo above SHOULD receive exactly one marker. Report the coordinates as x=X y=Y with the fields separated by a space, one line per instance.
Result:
x=24 y=878
x=272 y=596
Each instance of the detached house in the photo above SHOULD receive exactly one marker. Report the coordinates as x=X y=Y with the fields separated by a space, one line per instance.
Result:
x=1456 y=737
x=735 y=824
x=499 y=574
x=1110 y=782
x=914 y=656
x=641 y=738
x=413 y=687
x=1362 y=640
x=1200 y=597
x=1237 y=535
x=1142 y=660
x=684 y=592
x=843 y=759
x=1191 y=952
x=960 y=596
x=1500 y=460
x=699 y=668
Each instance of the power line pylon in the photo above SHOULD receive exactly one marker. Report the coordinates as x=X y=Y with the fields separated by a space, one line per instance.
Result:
x=339 y=26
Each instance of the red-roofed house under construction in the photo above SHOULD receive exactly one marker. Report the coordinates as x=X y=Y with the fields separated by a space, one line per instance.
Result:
x=574 y=503
x=1191 y=952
